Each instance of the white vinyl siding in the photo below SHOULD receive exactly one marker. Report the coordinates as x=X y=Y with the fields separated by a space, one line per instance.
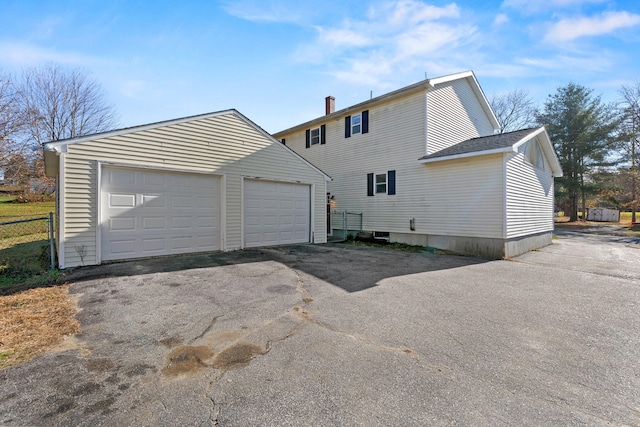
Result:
x=454 y=115
x=223 y=144
x=529 y=197
x=449 y=198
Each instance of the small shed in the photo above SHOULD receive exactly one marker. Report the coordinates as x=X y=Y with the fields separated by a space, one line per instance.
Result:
x=603 y=215
x=210 y=182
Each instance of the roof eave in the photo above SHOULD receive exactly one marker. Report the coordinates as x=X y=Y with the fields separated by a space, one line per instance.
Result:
x=467 y=155
x=421 y=85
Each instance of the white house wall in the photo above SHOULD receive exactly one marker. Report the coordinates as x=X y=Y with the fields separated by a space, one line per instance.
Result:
x=529 y=197
x=454 y=114
x=448 y=198
x=465 y=197
x=224 y=145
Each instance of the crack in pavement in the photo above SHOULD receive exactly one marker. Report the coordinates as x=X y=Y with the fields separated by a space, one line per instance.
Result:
x=207 y=329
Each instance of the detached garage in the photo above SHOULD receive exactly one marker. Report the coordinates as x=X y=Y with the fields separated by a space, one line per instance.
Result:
x=204 y=183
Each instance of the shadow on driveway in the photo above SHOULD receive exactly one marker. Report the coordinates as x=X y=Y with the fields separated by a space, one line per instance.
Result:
x=352 y=268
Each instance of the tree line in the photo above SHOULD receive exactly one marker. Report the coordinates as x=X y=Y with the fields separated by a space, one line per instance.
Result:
x=45 y=104
x=597 y=143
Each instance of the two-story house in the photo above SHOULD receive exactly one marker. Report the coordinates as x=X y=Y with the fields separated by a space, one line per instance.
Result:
x=424 y=165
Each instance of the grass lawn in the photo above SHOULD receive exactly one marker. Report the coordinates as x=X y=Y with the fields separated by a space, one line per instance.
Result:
x=32 y=321
x=24 y=248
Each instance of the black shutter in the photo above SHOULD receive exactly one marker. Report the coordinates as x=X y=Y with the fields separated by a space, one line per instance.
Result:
x=308 y=138
x=369 y=184
x=323 y=137
x=365 y=121
x=347 y=126
x=284 y=141
x=391 y=184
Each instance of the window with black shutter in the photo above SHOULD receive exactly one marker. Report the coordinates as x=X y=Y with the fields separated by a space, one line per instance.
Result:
x=357 y=123
x=381 y=183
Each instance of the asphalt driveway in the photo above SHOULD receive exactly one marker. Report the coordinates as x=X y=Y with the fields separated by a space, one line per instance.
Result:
x=343 y=335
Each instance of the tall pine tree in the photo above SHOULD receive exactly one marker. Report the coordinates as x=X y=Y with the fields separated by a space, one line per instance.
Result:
x=584 y=134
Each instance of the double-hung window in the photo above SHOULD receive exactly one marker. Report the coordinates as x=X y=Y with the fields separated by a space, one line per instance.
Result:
x=357 y=123
x=381 y=183
x=316 y=136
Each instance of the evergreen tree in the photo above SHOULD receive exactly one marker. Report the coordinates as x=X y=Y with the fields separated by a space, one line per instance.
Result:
x=584 y=134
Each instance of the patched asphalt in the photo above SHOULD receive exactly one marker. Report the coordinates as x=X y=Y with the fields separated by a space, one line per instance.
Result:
x=345 y=335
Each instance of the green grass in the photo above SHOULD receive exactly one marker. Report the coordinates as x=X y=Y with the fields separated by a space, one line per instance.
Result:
x=9 y=210
x=24 y=248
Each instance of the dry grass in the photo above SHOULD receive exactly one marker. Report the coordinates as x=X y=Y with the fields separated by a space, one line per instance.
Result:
x=33 y=322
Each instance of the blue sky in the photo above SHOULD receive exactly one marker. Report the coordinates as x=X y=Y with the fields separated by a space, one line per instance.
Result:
x=275 y=61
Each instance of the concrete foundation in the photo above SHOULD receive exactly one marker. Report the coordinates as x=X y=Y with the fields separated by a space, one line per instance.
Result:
x=477 y=246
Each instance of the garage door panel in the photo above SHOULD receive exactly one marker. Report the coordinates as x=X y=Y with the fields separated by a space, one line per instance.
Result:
x=154 y=223
x=182 y=202
x=181 y=242
x=276 y=213
x=150 y=213
x=122 y=200
x=205 y=203
x=123 y=247
x=123 y=177
x=154 y=201
x=206 y=222
x=122 y=224
x=181 y=222
x=155 y=244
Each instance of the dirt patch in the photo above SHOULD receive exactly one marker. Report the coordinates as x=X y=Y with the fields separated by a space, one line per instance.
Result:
x=186 y=360
x=35 y=321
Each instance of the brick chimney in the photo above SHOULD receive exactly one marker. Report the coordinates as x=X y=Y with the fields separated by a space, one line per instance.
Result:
x=330 y=105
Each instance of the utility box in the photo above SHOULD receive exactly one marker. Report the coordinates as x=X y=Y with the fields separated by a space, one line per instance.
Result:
x=603 y=215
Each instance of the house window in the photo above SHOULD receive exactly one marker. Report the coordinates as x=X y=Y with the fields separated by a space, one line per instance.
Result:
x=316 y=136
x=381 y=183
x=358 y=123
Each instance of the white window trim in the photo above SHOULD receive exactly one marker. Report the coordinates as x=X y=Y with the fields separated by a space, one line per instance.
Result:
x=359 y=124
x=375 y=183
x=313 y=140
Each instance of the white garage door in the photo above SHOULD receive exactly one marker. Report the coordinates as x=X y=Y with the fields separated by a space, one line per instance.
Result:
x=276 y=213
x=149 y=213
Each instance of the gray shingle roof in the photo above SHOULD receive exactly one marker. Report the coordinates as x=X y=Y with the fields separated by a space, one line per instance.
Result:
x=483 y=143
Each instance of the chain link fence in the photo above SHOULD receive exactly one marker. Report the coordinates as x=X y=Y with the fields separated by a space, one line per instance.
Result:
x=343 y=224
x=31 y=230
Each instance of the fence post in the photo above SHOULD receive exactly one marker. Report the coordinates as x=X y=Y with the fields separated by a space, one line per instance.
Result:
x=51 y=242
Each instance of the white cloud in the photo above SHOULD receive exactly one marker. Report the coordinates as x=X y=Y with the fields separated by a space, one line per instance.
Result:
x=573 y=28
x=391 y=39
x=261 y=11
x=537 y=6
x=501 y=19
x=23 y=54
x=342 y=37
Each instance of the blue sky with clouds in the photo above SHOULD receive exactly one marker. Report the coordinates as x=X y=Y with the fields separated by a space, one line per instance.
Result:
x=275 y=61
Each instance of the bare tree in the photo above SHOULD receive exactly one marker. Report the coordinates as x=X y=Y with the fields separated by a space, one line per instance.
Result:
x=61 y=104
x=514 y=110
x=12 y=122
x=631 y=129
